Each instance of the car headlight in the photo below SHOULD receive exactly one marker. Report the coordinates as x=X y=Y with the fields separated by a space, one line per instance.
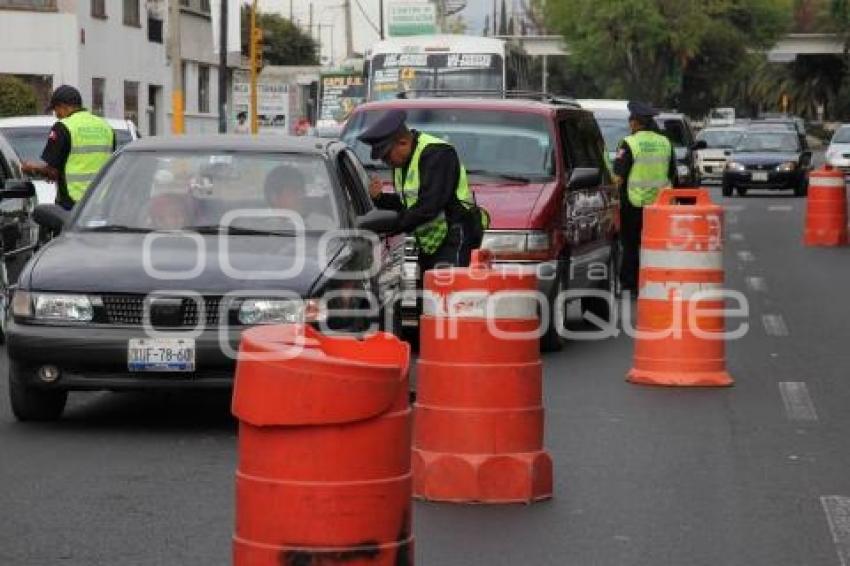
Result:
x=516 y=242
x=279 y=311
x=735 y=166
x=683 y=170
x=787 y=167
x=59 y=307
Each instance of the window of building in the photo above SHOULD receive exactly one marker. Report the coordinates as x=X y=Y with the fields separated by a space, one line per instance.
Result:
x=98 y=9
x=203 y=88
x=154 y=29
x=131 y=101
x=98 y=88
x=131 y=13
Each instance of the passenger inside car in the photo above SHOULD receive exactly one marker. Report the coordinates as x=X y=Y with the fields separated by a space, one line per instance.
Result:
x=171 y=211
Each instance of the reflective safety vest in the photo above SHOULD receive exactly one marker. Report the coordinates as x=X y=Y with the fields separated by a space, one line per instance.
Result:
x=430 y=235
x=91 y=148
x=651 y=153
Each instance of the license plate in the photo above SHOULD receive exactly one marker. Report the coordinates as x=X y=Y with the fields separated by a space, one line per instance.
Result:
x=760 y=176
x=161 y=354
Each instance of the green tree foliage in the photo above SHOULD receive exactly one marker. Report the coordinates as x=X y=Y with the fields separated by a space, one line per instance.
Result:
x=17 y=98
x=285 y=43
x=660 y=50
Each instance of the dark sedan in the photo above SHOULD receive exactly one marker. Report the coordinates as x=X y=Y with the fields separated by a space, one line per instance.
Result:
x=767 y=159
x=181 y=244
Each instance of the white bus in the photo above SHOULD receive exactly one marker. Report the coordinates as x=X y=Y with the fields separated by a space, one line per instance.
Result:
x=443 y=64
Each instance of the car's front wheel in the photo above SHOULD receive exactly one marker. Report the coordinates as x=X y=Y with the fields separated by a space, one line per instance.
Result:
x=727 y=190
x=31 y=403
x=603 y=306
x=742 y=192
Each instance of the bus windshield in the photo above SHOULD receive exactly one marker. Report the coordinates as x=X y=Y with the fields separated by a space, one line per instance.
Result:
x=392 y=73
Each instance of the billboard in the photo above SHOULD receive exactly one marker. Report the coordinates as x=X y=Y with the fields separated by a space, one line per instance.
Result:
x=273 y=105
x=412 y=18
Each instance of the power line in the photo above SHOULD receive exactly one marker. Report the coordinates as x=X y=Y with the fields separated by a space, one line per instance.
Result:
x=366 y=16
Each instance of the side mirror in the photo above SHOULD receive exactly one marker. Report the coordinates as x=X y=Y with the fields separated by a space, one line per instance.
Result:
x=51 y=216
x=701 y=144
x=584 y=178
x=378 y=221
x=14 y=188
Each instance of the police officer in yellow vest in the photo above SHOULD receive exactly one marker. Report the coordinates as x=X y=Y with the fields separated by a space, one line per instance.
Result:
x=645 y=163
x=432 y=193
x=78 y=146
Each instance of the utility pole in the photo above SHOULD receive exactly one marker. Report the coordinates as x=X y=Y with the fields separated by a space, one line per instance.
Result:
x=381 y=18
x=310 y=19
x=349 y=39
x=178 y=125
x=255 y=53
x=222 y=70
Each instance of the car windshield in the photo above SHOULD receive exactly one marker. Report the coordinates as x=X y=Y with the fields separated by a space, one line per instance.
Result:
x=842 y=136
x=510 y=144
x=769 y=142
x=211 y=192
x=27 y=142
x=614 y=131
x=675 y=130
x=720 y=139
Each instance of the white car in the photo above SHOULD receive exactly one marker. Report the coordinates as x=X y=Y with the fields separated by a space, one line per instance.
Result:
x=28 y=134
x=838 y=153
x=711 y=161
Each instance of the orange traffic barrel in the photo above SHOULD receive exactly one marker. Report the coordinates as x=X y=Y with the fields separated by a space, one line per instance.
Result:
x=324 y=449
x=826 y=208
x=680 y=338
x=478 y=434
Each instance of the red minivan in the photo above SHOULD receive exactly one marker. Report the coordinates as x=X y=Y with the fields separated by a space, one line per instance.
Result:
x=540 y=170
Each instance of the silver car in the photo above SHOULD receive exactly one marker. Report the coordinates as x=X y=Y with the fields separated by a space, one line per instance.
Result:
x=838 y=153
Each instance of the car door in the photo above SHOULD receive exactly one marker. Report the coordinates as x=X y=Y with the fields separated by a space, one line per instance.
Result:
x=390 y=249
x=583 y=208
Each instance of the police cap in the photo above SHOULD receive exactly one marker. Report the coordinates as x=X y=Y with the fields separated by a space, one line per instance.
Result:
x=641 y=109
x=381 y=135
x=65 y=94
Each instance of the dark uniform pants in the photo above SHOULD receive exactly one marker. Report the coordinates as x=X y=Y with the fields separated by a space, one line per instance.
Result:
x=455 y=251
x=631 y=226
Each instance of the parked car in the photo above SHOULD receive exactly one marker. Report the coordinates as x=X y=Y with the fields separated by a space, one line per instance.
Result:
x=538 y=169
x=719 y=142
x=613 y=119
x=18 y=232
x=28 y=134
x=768 y=159
x=838 y=152
x=182 y=241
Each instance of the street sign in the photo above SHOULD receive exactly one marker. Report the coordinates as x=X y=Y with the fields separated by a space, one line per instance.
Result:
x=412 y=18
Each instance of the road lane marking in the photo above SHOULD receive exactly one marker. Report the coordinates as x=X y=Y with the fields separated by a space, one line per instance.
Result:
x=798 y=402
x=837 y=511
x=731 y=218
x=757 y=284
x=737 y=237
x=774 y=325
x=780 y=208
x=746 y=255
x=736 y=207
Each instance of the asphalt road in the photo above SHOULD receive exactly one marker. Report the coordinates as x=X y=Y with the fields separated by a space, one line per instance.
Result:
x=756 y=474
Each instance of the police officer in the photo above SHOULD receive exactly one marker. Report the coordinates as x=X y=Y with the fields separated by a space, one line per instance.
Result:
x=432 y=193
x=644 y=164
x=78 y=145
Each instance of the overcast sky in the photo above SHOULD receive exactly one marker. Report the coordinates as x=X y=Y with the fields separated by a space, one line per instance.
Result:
x=329 y=15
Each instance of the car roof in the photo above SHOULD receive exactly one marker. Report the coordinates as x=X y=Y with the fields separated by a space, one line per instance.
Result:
x=234 y=142
x=47 y=120
x=526 y=106
x=603 y=104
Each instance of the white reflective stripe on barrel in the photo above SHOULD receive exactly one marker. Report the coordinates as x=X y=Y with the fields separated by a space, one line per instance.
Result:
x=521 y=305
x=678 y=290
x=670 y=259
x=826 y=182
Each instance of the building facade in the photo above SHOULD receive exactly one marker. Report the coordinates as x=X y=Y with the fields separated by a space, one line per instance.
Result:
x=114 y=52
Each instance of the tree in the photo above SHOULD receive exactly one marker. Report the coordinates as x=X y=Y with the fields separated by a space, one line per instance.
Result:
x=285 y=43
x=17 y=98
x=655 y=50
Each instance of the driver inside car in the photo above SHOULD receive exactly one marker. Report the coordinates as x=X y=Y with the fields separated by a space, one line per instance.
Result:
x=286 y=189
